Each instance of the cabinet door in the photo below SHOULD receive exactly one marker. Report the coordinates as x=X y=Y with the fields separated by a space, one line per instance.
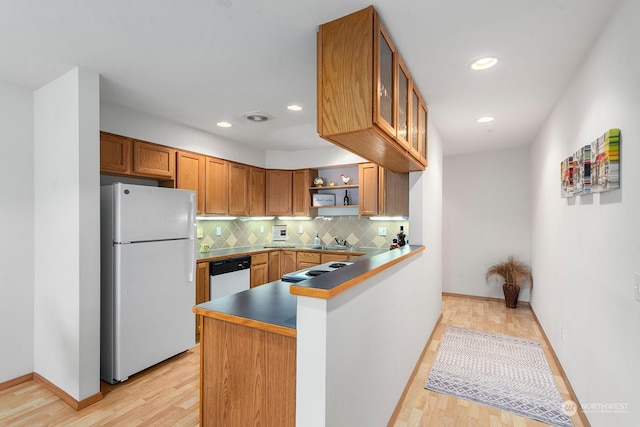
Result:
x=257 y=184
x=238 y=189
x=190 y=175
x=384 y=112
x=274 y=266
x=368 y=181
x=279 y=192
x=302 y=180
x=403 y=104
x=217 y=186
x=115 y=154
x=414 y=122
x=202 y=288
x=393 y=193
x=288 y=262
x=153 y=160
x=259 y=275
x=422 y=132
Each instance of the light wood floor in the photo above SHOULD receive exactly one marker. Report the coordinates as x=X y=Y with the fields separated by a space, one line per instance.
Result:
x=422 y=407
x=168 y=394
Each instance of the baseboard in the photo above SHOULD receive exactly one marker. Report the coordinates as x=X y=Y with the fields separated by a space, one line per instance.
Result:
x=572 y=394
x=68 y=399
x=396 y=411
x=14 y=382
x=449 y=294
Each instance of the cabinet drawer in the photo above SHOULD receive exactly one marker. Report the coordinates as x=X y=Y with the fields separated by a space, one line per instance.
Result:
x=259 y=259
x=313 y=257
x=334 y=258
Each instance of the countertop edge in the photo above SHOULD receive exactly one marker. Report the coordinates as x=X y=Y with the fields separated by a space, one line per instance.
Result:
x=315 y=292
x=252 y=323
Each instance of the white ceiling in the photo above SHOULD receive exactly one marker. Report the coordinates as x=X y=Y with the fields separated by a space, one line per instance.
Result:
x=201 y=61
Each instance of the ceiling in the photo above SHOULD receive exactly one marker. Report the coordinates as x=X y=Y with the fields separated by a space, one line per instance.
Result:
x=198 y=62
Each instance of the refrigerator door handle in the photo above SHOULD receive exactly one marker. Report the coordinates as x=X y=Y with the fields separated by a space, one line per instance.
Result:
x=192 y=261
x=192 y=237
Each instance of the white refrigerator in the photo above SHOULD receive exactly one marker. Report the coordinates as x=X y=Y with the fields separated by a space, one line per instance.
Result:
x=148 y=277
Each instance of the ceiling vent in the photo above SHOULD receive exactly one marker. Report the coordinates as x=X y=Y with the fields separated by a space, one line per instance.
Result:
x=257 y=116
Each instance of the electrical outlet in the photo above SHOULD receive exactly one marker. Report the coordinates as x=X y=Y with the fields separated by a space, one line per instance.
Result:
x=200 y=233
x=636 y=286
x=262 y=229
x=382 y=231
x=218 y=231
x=562 y=333
x=300 y=229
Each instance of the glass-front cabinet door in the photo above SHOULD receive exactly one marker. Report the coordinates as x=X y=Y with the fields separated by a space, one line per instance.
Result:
x=413 y=122
x=403 y=104
x=384 y=114
x=422 y=132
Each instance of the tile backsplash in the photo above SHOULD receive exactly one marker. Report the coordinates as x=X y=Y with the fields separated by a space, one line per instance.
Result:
x=360 y=232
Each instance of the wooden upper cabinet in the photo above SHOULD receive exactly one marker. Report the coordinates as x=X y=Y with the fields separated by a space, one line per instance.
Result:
x=190 y=175
x=216 y=186
x=115 y=153
x=402 y=132
x=422 y=133
x=257 y=182
x=302 y=180
x=279 y=188
x=414 y=122
x=384 y=77
x=364 y=91
x=238 y=189
x=383 y=192
x=368 y=180
x=153 y=160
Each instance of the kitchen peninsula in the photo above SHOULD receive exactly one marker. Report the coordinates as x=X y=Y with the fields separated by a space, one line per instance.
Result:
x=286 y=354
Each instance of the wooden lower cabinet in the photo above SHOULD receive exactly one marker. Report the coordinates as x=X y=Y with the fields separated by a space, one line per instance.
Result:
x=259 y=269
x=247 y=376
x=202 y=288
x=288 y=262
x=334 y=258
x=274 y=266
x=307 y=259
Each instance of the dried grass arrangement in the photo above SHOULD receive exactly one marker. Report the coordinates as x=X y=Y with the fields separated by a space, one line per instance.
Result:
x=514 y=273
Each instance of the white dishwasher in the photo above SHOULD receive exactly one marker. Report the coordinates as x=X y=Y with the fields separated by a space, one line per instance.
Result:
x=229 y=276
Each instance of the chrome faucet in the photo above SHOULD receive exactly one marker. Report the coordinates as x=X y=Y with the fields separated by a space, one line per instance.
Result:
x=342 y=242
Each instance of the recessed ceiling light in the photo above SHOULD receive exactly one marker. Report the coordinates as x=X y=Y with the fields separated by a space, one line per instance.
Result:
x=294 y=107
x=484 y=63
x=224 y=124
x=485 y=119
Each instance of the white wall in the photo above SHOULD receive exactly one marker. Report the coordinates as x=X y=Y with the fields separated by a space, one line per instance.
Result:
x=316 y=158
x=67 y=233
x=125 y=121
x=584 y=251
x=486 y=218
x=356 y=351
x=16 y=229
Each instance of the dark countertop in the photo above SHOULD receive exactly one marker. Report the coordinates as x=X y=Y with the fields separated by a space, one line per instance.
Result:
x=272 y=306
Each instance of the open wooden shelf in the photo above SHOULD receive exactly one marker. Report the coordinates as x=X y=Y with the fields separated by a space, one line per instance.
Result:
x=334 y=187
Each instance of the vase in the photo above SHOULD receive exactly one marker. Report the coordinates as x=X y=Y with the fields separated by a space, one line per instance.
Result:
x=511 y=295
